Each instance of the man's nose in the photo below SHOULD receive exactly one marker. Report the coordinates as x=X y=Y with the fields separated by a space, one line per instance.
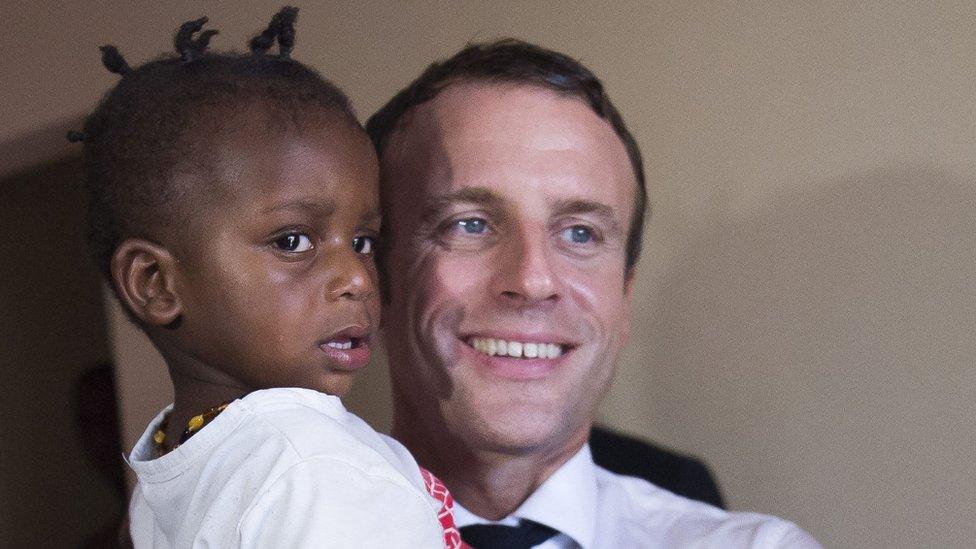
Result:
x=349 y=276
x=524 y=272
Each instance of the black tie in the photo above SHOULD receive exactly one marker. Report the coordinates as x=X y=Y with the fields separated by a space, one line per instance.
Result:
x=496 y=536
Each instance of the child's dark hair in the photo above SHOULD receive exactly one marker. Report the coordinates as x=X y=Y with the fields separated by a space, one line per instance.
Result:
x=154 y=125
x=511 y=61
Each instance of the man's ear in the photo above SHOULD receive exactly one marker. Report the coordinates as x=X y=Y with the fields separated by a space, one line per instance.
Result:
x=144 y=274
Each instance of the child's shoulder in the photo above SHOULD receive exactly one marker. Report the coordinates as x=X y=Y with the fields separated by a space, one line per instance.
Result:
x=310 y=424
x=283 y=467
x=293 y=403
x=304 y=417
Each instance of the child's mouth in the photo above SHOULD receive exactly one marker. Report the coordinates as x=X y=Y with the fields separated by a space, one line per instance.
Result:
x=347 y=349
x=343 y=343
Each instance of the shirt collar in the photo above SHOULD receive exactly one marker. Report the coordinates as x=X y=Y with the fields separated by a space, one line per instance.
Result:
x=566 y=501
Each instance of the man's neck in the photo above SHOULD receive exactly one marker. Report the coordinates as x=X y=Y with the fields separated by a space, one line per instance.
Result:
x=487 y=483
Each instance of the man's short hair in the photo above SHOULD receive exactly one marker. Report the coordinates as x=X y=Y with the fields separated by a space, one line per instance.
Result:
x=511 y=61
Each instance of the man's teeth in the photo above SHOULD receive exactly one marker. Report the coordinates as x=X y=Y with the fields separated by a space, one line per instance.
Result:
x=339 y=344
x=516 y=349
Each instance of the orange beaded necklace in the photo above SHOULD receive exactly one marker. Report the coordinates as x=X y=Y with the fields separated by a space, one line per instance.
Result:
x=195 y=423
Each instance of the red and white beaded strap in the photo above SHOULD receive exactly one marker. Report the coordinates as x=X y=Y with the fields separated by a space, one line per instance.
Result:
x=437 y=490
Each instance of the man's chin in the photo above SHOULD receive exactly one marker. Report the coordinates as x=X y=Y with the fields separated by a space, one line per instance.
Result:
x=516 y=432
x=510 y=444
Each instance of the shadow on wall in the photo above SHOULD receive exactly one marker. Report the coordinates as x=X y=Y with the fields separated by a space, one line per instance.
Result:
x=38 y=147
x=821 y=355
x=53 y=326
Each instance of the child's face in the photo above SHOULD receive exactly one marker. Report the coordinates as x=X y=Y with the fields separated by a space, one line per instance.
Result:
x=277 y=277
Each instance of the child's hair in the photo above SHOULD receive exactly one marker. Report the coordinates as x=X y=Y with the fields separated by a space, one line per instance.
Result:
x=156 y=123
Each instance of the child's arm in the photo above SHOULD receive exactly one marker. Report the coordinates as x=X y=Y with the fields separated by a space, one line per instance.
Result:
x=327 y=502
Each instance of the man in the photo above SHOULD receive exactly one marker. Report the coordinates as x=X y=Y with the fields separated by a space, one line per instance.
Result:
x=514 y=200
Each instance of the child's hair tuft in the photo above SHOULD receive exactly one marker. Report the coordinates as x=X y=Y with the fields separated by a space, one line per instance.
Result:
x=282 y=29
x=191 y=48
x=114 y=61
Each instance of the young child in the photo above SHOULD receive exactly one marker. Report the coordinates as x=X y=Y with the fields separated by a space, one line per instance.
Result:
x=234 y=210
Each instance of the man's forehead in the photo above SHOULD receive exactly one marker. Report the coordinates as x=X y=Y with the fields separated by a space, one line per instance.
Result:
x=475 y=110
x=478 y=128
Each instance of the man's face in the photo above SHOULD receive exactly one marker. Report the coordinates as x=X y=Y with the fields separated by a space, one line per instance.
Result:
x=507 y=210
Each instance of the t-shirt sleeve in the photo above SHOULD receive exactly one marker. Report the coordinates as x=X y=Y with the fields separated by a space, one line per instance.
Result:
x=775 y=533
x=795 y=538
x=326 y=502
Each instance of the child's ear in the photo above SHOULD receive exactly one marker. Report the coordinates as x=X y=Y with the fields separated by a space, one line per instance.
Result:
x=145 y=278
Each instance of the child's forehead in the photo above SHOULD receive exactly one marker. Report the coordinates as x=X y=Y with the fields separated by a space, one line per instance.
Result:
x=254 y=120
x=262 y=127
x=295 y=164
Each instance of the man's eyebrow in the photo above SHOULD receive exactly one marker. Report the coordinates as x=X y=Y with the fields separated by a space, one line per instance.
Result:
x=590 y=207
x=471 y=195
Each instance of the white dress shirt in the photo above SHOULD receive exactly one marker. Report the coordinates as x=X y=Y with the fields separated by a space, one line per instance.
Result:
x=593 y=508
x=282 y=468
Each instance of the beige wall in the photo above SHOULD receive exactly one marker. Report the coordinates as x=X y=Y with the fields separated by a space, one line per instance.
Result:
x=804 y=314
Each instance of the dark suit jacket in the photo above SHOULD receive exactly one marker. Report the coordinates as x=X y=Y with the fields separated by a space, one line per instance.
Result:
x=682 y=475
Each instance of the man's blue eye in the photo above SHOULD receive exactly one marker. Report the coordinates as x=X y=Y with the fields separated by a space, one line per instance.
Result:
x=473 y=225
x=294 y=242
x=578 y=234
x=363 y=244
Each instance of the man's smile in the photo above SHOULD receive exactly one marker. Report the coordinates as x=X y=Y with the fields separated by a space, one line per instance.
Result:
x=516 y=349
x=528 y=354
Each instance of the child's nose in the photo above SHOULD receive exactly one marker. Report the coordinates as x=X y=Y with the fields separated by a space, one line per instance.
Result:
x=350 y=277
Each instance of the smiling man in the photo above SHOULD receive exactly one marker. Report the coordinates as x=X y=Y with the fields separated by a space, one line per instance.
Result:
x=513 y=201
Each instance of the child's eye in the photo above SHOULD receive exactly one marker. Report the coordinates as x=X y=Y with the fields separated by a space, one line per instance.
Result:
x=578 y=234
x=293 y=243
x=363 y=244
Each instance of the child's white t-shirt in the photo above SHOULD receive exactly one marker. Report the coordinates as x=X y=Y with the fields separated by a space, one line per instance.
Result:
x=282 y=468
